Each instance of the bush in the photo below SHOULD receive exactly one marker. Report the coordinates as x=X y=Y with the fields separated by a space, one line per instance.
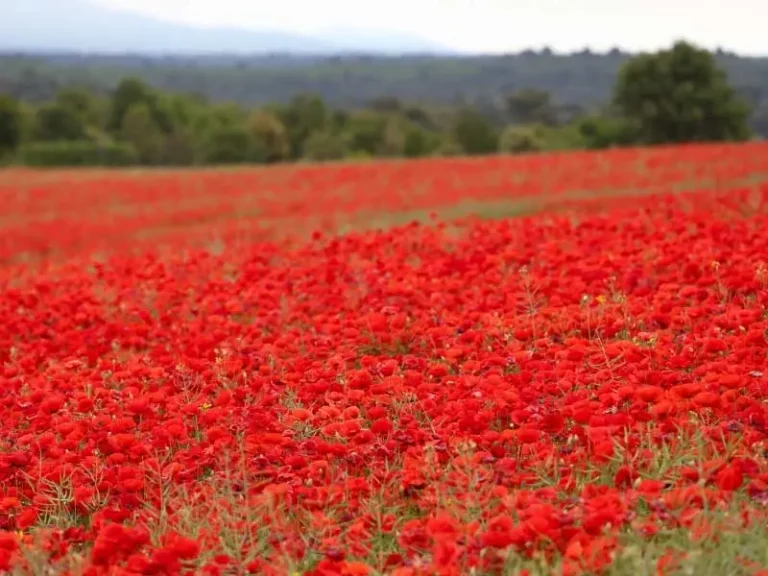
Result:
x=474 y=133
x=78 y=153
x=520 y=140
x=601 y=132
x=447 y=146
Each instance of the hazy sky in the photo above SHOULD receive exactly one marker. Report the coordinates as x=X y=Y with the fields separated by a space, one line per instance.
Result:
x=495 y=25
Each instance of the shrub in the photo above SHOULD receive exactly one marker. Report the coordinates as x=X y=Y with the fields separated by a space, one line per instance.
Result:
x=78 y=153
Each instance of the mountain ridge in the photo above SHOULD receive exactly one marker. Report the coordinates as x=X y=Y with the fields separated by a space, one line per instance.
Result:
x=79 y=26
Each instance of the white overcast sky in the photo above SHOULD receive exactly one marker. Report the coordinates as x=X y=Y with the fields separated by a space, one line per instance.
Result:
x=495 y=25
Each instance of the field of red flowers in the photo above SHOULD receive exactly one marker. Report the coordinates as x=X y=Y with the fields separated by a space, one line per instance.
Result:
x=530 y=365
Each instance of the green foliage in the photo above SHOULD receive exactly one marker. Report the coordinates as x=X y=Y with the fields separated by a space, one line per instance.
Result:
x=227 y=145
x=304 y=114
x=55 y=122
x=324 y=146
x=132 y=93
x=448 y=146
x=139 y=129
x=565 y=137
x=228 y=115
x=520 y=139
x=660 y=97
x=386 y=104
x=474 y=133
x=180 y=148
x=78 y=153
x=531 y=106
x=89 y=109
x=365 y=132
x=393 y=138
x=419 y=142
x=680 y=95
x=128 y=93
x=601 y=132
x=268 y=138
x=582 y=80
x=10 y=124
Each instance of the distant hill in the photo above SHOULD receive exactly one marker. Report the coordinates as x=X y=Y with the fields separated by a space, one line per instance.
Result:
x=81 y=26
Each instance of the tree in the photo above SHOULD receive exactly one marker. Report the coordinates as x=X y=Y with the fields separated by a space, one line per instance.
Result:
x=10 y=124
x=305 y=114
x=129 y=92
x=419 y=142
x=474 y=133
x=338 y=120
x=55 y=122
x=680 y=95
x=420 y=117
x=139 y=130
x=323 y=146
x=228 y=115
x=179 y=148
x=531 y=106
x=365 y=131
x=269 y=140
x=227 y=145
x=84 y=104
x=132 y=92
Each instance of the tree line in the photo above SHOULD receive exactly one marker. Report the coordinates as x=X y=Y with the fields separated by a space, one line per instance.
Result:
x=676 y=95
x=581 y=79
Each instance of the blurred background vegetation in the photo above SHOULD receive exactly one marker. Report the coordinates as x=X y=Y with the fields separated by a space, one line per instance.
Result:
x=80 y=110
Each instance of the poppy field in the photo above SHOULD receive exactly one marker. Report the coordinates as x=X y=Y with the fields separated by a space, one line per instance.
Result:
x=530 y=365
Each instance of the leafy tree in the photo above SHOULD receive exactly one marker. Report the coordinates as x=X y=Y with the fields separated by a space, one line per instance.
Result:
x=140 y=130
x=228 y=144
x=365 y=131
x=474 y=133
x=55 y=122
x=325 y=145
x=305 y=114
x=10 y=124
x=161 y=106
x=129 y=92
x=182 y=110
x=419 y=142
x=269 y=140
x=228 y=115
x=680 y=95
x=338 y=120
x=83 y=103
x=420 y=117
x=180 y=148
x=531 y=106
